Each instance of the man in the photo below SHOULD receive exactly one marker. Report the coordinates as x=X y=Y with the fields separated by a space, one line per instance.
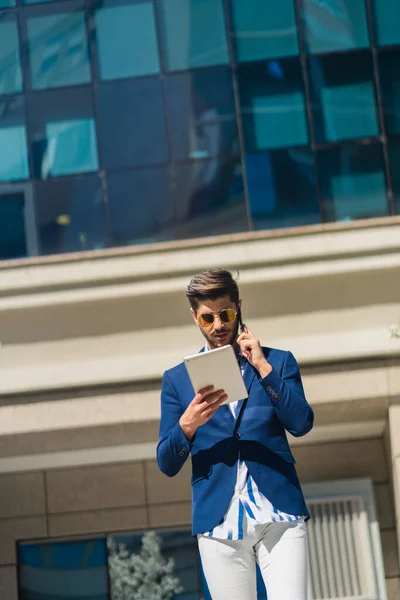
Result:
x=248 y=506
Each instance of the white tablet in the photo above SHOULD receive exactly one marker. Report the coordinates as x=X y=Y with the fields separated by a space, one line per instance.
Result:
x=219 y=368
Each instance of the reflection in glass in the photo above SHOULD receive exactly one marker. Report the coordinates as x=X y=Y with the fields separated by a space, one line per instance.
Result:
x=78 y=568
x=201 y=108
x=194 y=34
x=126 y=39
x=176 y=557
x=264 y=29
x=389 y=67
x=140 y=206
x=70 y=215
x=132 y=125
x=12 y=225
x=387 y=19
x=13 y=145
x=58 y=50
x=210 y=198
x=7 y=3
x=343 y=97
x=63 y=137
x=394 y=165
x=353 y=182
x=335 y=25
x=273 y=104
x=10 y=66
x=282 y=188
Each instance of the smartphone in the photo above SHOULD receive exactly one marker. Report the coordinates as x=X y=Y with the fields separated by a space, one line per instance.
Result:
x=241 y=327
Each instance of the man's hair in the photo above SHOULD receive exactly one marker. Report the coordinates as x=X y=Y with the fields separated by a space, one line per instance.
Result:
x=210 y=285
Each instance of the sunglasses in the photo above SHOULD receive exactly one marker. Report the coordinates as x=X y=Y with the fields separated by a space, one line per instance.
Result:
x=227 y=315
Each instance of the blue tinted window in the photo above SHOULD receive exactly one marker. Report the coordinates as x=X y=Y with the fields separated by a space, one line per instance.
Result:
x=352 y=182
x=282 y=188
x=140 y=206
x=343 y=97
x=58 y=570
x=394 y=164
x=273 y=104
x=194 y=33
x=126 y=39
x=58 y=50
x=210 y=198
x=132 y=123
x=13 y=144
x=201 y=108
x=10 y=67
x=387 y=19
x=389 y=63
x=264 y=29
x=12 y=225
x=7 y=3
x=335 y=24
x=70 y=215
x=63 y=136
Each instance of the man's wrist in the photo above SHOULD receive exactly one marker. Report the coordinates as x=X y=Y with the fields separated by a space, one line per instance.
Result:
x=264 y=368
x=188 y=431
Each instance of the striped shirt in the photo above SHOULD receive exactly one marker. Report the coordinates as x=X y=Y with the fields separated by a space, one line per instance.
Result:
x=247 y=501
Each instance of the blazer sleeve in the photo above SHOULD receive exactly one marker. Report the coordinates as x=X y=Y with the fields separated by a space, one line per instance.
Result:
x=173 y=448
x=287 y=395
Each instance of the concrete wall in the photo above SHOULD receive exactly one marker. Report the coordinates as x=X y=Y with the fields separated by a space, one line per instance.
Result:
x=134 y=496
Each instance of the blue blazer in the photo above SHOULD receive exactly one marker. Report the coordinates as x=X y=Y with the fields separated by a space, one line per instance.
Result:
x=274 y=404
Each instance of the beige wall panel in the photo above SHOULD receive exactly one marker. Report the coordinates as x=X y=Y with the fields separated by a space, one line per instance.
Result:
x=385 y=506
x=98 y=521
x=324 y=462
x=393 y=588
x=168 y=515
x=90 y=488
x=22 y=495
x=394 y=421
x=161 y=488
x=11 y=530
x=390 y=553
x=8 y=583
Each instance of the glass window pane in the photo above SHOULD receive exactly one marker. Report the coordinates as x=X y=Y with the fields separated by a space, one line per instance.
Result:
x=58 y=49
x=13 y=144
x=394 y=164
x=335 y=25
x=282 y=188
x=273 y=104
x=343 y=97
x=210 y=198
x=70 y=215
x=58 y=570
x=63 y=136
x=126 y=39
x=10 y=65
x=353 y=182
x=7 y=3
x=194 y=33
x=264 y=29
x=201 y=108
x=178 y=547
x=12 y=225
x=389 y=63
x=387 y=19
x=132 y=125
x=140 y=206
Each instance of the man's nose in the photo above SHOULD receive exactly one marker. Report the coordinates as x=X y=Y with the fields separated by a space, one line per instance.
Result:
x=218 y=324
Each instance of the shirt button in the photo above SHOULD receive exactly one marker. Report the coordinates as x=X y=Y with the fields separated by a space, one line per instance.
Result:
x=236 y=435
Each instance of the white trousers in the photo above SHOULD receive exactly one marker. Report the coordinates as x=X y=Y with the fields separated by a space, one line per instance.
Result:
x=280 y=549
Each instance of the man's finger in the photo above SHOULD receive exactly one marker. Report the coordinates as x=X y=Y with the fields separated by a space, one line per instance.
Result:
x=199 y=397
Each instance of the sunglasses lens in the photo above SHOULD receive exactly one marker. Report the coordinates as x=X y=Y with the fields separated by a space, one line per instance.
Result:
x=206 y=320
x=227 y=316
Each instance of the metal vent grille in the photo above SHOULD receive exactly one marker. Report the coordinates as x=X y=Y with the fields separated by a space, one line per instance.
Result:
x=340 y=550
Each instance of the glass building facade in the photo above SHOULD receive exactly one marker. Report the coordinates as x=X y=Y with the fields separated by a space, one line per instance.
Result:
x=133 y=121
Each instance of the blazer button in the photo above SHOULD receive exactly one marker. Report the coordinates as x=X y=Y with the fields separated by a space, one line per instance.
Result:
x=236 y=435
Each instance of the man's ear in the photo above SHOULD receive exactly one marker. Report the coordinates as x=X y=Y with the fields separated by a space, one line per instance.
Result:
x=194 y=316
